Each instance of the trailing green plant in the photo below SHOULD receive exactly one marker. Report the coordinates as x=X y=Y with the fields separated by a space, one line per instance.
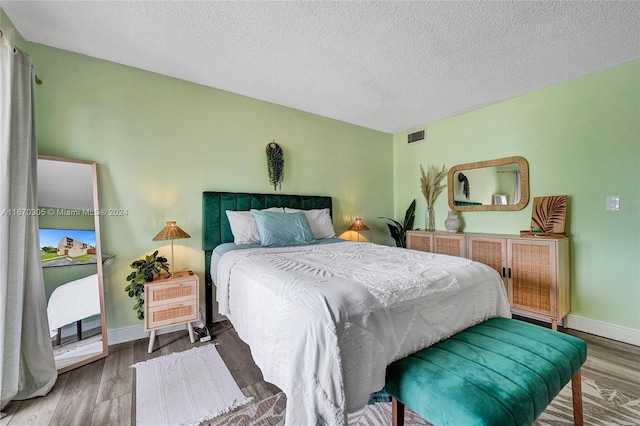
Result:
x=399 y=230
x=145 y=270
x=275 y=165
x=465 y=184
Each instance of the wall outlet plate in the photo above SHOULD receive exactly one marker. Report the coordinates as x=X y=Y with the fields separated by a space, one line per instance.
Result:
x=613 y=203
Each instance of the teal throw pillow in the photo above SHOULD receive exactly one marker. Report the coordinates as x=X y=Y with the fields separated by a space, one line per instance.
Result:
x=282 y=229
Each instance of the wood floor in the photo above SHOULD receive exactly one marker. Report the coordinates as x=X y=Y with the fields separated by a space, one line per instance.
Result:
x=103 y=392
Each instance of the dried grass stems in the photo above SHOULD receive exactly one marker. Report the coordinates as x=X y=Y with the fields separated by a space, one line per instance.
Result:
x=430 y=183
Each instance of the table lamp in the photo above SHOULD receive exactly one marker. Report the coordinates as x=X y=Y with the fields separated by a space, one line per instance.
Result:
x=358 y=225
x=171 y=231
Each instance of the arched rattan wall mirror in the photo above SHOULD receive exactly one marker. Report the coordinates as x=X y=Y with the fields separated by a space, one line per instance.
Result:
x=501 y=184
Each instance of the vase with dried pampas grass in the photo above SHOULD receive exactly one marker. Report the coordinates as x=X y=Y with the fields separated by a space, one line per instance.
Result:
x=431 y=186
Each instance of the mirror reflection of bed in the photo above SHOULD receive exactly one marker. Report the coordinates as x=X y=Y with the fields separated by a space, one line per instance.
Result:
x=72 y=260
x=75 y=307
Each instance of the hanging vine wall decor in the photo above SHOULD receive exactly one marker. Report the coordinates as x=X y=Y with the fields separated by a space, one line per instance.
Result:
x=275 y=164
x=465 y=185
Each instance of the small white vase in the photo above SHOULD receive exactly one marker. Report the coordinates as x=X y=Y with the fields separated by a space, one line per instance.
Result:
x=452 y=222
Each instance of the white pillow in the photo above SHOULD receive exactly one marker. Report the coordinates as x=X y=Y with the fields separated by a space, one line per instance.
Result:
x=319 y=221
x=244 y=227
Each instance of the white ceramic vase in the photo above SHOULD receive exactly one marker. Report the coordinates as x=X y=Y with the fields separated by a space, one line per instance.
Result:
x=452 y=222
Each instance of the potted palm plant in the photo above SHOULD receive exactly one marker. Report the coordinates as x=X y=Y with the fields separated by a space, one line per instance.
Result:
x=399 y=230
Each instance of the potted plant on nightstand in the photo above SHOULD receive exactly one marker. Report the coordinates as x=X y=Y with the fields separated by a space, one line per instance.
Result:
x=146 y=270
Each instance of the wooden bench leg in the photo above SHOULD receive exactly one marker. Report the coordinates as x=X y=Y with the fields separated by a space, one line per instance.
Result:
x=576 y=391
x=397 y=412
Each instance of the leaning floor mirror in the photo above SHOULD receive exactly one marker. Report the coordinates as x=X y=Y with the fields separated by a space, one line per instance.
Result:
x=72 y=261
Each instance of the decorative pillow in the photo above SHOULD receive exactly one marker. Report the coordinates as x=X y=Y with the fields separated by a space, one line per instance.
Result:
x=319 y=221
x=280 y=229
x=243 y=225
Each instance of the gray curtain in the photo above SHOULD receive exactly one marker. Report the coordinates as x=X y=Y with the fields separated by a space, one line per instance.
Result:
x=516 y=187
x=27 y=367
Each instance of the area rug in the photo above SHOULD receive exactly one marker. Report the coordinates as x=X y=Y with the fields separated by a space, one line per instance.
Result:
x=601 y=407
x=185 y=388
x=271 y=412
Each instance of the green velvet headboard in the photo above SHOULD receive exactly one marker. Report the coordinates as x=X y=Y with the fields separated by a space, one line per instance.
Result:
x=215 y=224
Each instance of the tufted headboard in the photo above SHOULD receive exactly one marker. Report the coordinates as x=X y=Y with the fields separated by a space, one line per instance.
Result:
x=215 y=224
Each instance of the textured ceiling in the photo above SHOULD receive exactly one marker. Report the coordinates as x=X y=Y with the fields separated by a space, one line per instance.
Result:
x=65 y=184
x=389 y=66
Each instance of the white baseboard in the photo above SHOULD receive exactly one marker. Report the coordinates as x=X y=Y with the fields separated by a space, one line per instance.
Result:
x=598 y=328
x=135 y=332
x=603 y=329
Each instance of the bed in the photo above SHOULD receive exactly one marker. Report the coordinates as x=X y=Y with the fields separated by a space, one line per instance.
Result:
x=324 y=319
x=72 y=302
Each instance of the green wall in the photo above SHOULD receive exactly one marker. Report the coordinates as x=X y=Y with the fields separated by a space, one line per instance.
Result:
x=159 y=142
x=18 y=40
x=581 y=138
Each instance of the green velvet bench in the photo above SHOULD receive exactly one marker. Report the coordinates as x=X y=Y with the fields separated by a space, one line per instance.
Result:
x=501 y=372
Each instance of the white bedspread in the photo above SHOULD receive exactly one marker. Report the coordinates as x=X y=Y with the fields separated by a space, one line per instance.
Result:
x=324 y=321
x=73 y=301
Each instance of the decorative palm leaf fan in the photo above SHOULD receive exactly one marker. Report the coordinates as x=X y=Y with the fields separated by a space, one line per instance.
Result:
x=548 y=215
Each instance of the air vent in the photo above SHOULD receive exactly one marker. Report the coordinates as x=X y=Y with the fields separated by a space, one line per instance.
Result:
x=415 y=137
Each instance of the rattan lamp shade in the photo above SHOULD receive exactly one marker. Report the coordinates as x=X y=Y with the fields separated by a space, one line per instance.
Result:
x=171 y=231
x=358 y=225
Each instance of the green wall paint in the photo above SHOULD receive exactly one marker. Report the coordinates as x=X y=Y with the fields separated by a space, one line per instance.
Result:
x=17 y=37
x=581 y=138
x=159 y=142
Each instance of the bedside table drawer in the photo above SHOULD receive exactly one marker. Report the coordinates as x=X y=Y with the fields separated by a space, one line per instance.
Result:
x=171 y=301
x=172 y=313
x=176 y=292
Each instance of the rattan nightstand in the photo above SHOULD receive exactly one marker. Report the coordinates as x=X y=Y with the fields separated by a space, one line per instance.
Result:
x=171 y=301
